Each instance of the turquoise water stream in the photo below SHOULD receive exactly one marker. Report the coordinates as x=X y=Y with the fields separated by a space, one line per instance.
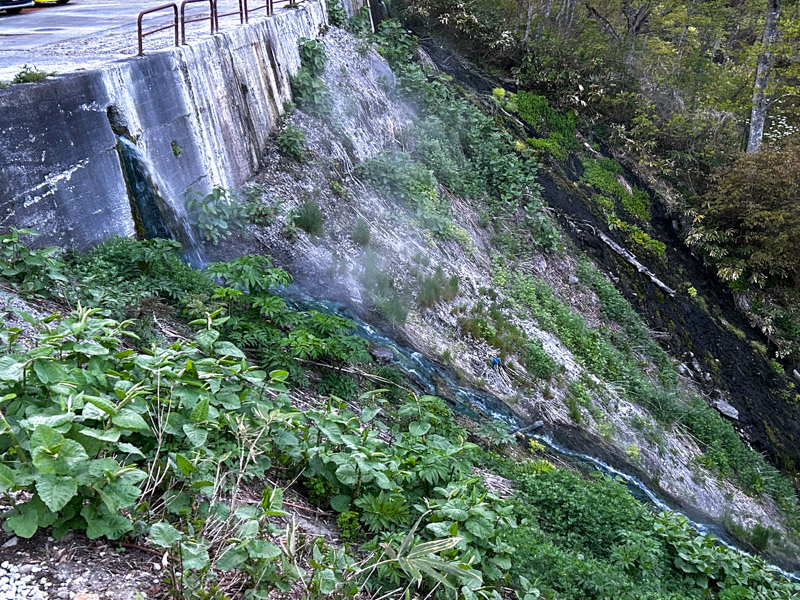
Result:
x=424 y=373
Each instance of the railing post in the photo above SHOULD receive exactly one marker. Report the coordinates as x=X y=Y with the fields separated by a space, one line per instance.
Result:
x=142 y=34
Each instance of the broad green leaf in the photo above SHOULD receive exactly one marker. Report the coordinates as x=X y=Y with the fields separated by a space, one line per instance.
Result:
x=200 y=412
x=72 y=454
x=369 y=413
x=25 y=521
x=248 y=512
x=56 y=491
x=419 y=428
x=326 y=581
x=47 y=438
x=6 y=478
x=347 y=474
x=441 y=529
x=164 y=535
x=48 y=371
x=248 y=530
x=263 y=549
x=127 y=419
x=197 y=436
x=227 y=349
x=101 y=523
x=479 y=527
x=11 y=370
x=109 y=435
x=194 y=555
x=130 y=449
x=206 y=338
x=341 y=503
x=184 y=465
x=90 y=349
x=232 y=557
x=117 y=495
x=103 y=404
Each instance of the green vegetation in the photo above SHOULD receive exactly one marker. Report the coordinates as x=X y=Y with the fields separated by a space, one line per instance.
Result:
x=437 y=288
x=291 y=142
x=125 y=440
x=27 y=74
x=221 y=213
x=309 y=91
x=32 y=272
x=361 y=234
x=556 y=131
x=309 y=217
x=336 y=14
x=466 y=149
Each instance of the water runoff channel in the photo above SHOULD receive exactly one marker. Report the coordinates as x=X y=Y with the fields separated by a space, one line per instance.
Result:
x=160 y=216
x=471 y=402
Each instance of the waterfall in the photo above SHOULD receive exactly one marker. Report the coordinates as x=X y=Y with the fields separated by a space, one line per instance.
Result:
x=156 y=214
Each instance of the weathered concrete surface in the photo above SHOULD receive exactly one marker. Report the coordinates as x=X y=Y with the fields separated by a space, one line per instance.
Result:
x=216 y=101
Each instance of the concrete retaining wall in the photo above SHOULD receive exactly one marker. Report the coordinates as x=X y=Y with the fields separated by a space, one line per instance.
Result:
x=201 y=114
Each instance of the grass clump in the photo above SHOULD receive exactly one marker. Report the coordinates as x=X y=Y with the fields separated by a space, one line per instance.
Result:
x=437 y=288
x=361 y=234
x=309 y=217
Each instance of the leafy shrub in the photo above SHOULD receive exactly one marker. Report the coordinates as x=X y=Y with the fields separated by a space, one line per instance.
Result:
x=341 y=385
x=33 y=272
x=361 y=234
x=311 y=93
x=493 y=326
x=349 y=527
x=537 y=362
x=309 y=217
x=389 y=300
x=312 y=55
x=410 y=182
x=543 y=147
x=336 y=14
x=218 y=214
x=29 y=74
x=120 y=272
x=292 y=143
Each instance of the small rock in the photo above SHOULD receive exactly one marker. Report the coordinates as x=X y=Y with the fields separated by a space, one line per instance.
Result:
x=572 y=280
x=381 y=354
x=64 y=594
x=726 y=409
x=796 y=375
x=11 y=543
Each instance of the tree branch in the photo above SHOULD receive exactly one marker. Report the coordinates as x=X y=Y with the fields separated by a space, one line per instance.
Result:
x=603 y=21
x=781 y=97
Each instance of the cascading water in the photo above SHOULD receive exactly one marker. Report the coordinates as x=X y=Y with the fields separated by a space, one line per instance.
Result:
x=426 y=373
x=157 y=214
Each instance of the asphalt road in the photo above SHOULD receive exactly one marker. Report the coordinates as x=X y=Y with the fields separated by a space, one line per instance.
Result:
x=88 y=33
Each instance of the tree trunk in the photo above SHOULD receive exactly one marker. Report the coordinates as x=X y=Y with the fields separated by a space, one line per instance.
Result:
x=758 y=117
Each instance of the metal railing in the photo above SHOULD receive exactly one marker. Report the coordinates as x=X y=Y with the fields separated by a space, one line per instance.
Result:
x=212 y=16
x=142 y=34
x=243 y=12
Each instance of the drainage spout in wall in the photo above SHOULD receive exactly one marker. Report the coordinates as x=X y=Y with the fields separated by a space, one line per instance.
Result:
x=155 y=215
